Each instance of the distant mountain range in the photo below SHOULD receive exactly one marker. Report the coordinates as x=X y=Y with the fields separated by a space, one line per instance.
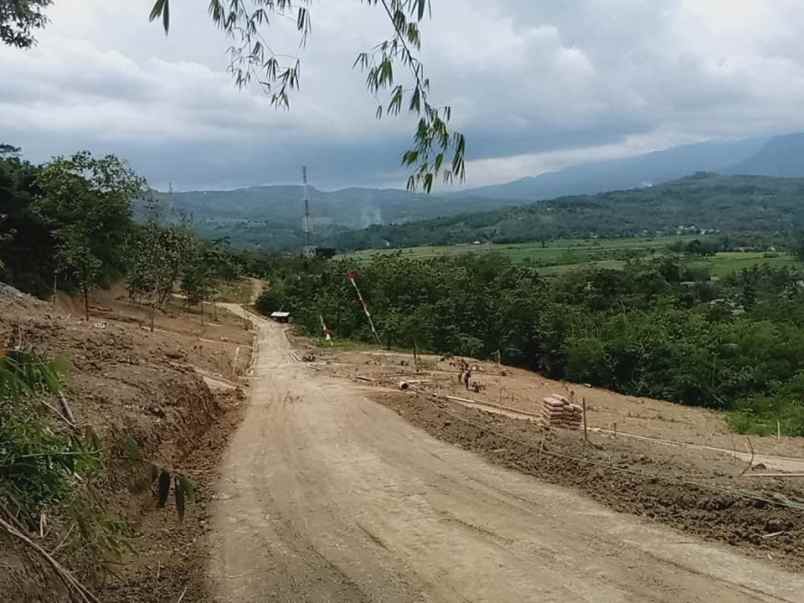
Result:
x=705 y=203
x=781 y=156
x=271 y=216
x=349 y=207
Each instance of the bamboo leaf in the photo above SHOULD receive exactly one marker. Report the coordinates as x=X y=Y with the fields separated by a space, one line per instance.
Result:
x=161 y=8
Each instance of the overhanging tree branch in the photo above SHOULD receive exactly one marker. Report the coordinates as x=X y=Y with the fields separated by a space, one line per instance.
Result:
x=252 y=55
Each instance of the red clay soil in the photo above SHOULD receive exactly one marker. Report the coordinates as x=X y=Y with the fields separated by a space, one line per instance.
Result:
x=141 y=393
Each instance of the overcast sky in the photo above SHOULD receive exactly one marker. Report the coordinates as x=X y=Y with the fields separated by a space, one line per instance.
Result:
x=534 y=84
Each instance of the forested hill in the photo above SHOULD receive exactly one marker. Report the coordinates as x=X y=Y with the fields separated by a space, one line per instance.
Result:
x=727 y=204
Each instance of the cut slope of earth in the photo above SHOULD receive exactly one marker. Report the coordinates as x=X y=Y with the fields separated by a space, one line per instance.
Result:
x=143 y=396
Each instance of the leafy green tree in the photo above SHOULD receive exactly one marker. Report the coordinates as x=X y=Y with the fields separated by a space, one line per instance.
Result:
x=157 y=256
x=86 y=203
x=436 y=151
x=19 y=19
x=77 y=261
x=197 y=284
x=208 y=264
x=27 y=247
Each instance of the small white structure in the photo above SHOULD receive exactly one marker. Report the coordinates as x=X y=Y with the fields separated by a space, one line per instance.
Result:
x=280 y=316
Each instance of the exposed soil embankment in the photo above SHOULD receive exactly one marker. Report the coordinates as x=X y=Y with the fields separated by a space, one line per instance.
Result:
x=702 y=494
x=675 y=465
x=142 y=394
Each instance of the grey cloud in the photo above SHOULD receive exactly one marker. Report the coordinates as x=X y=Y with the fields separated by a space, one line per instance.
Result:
x=525 y=78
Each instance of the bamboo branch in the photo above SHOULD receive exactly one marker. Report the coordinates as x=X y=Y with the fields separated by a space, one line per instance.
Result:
x=60 y=415
x=63 y=573
x=63 y=541
x=68 y=412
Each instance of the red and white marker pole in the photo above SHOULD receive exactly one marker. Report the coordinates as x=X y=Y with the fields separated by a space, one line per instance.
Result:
x=352 y=276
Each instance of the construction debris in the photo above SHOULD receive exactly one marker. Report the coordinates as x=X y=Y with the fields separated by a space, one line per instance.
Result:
x=557 y=411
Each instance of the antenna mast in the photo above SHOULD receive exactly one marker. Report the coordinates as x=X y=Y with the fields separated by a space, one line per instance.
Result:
x=306 y=208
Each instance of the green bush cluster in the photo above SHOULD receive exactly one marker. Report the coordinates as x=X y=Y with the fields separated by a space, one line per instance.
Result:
x=656 y=328
x=38 y=461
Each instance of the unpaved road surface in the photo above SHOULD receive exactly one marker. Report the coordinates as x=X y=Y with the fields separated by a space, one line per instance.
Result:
x=328 y=496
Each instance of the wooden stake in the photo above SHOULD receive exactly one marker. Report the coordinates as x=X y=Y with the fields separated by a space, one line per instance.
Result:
x=778 y=430
x=585 y=430
x=751 y=460
x=614 y=430
x=234 y=362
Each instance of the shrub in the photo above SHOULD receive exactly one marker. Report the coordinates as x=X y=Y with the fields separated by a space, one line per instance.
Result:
x=38 y=464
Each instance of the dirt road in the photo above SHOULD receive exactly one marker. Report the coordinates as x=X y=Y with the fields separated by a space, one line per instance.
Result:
x=327 y=496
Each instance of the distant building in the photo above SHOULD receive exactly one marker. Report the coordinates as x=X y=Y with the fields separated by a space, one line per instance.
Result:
x=280 y=316
x=325 y=252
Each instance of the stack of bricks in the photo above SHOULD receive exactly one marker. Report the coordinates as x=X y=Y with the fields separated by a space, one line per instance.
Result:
x=557 y=411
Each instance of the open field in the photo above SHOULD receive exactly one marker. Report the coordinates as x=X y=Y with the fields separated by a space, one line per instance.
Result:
x=573 y=254
x=727 y=262
x=562 y=251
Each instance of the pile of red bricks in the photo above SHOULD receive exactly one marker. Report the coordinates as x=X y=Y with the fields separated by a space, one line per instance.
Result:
x=557 y=411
